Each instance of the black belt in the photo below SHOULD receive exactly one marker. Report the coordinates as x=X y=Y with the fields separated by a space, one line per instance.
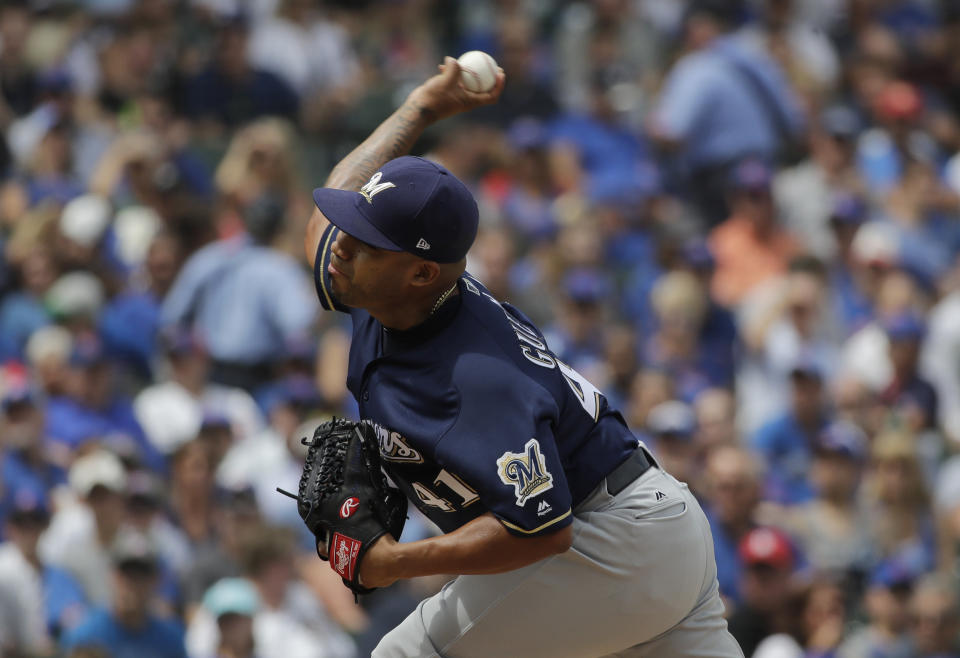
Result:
x=638 y=463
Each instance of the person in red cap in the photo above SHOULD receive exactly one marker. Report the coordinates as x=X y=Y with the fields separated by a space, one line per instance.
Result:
x=768 y=560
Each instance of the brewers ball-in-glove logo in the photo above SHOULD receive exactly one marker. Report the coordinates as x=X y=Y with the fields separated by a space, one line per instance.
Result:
x=526 y=471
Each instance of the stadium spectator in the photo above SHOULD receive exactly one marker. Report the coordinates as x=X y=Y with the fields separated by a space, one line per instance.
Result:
x=47 y=601
x=233 y=603
x=671 y=427
x=934 y=618
x=680 y=307
x=886 y=601
x=231 y=92
x=22 y=313
x=786 y=443
x=82 y=534
x=172 y=413
x=24 y=463
x=236 y=519
x=942 y=340
x=750 y=246
x=909 y=395
x=831 y=529
x=577 y=337
x=804 y=193
x=768 y=563
x=898 y=503
x=821 y=615
x=721 y=102
x=732 y=491
x=220 y=283
x=128 y=628
x=788 y=321
x=291 y=622
x=91 y=410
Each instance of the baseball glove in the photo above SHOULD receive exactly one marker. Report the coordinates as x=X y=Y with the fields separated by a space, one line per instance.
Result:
x=344 y=498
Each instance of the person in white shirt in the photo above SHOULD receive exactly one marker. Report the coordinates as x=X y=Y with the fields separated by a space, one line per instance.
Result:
x=172 y=412
x=310 y=53
x=36 y=601
x=81 y=534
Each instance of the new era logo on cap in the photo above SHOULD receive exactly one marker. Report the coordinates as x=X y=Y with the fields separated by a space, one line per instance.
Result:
x=427 y=209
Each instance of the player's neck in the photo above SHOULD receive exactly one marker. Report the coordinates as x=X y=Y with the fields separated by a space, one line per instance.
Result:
x=418 y=312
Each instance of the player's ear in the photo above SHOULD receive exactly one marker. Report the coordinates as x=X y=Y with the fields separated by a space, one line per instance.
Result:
x=425 y=273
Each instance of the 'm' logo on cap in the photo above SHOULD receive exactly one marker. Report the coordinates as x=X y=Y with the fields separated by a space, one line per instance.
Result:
x=374 y=187
x=423 y=244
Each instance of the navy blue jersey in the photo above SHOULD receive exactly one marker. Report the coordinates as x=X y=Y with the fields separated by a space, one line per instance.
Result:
x=476 y=414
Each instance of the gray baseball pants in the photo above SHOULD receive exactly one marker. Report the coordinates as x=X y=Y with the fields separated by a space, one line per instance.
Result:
x=640 y=581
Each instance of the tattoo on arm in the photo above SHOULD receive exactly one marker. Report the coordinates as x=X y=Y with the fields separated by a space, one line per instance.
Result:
x=392 y=138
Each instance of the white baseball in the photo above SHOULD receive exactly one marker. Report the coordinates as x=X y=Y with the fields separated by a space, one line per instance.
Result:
x=478 y=71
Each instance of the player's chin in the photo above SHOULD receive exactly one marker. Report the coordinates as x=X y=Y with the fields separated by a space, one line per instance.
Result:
x=345 y=294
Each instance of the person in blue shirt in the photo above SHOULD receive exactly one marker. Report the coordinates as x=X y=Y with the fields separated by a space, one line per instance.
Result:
x=22 y=312
x=92 y=411
x=245 y=300
x=908 y=394
x=129 y=322
x=732 y=493
x=577 y=336
x=567 y=538
x=128 y=629
x=850 y=301
x=722 y=102
x=785 y=443
x=24 y=464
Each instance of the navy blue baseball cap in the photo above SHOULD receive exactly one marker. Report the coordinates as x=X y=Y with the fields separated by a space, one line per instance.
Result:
x=411 y=205
x=848 y=209
x=751 y=174
x=905 y=326
x=842 y=438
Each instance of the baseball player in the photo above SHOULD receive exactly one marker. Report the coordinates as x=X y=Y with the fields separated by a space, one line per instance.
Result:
x=568 y=539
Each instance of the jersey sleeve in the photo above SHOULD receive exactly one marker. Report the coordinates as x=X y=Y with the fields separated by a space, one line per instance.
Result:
x=321 y=277
x=502 y=446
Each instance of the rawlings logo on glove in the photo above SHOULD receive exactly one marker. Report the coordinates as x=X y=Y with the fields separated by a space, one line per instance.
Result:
x=344 y=498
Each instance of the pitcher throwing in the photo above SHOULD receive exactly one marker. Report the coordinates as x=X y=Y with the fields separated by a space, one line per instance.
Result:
x=568 y=538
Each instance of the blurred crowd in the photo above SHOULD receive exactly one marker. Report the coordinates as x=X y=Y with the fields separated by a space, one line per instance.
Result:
x=739 y=219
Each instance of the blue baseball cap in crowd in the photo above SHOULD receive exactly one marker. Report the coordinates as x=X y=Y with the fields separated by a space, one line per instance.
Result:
x=904 y=326
x=840 y=121
x=87 y=351
x=894 y=573
x=842 y=438
x=808 y=366
x=751 y=174
x=673 y=419
x=848 y=209
x=28 y=503
x=527 y=133
x=177 y=341
x=697 y=254
x=411 y=205
x=585 y=286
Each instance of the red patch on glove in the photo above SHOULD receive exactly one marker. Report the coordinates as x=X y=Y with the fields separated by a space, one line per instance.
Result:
x=343 y=555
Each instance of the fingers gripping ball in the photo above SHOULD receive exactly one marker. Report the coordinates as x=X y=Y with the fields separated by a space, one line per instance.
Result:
x=344 y=498
x=478 y=71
